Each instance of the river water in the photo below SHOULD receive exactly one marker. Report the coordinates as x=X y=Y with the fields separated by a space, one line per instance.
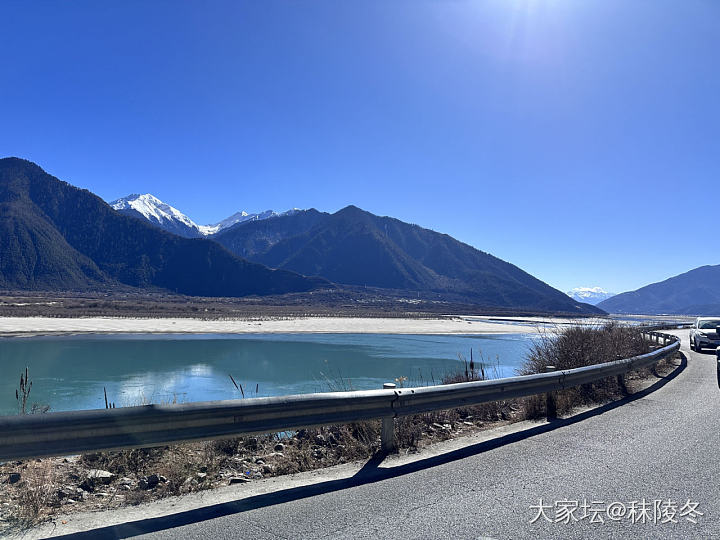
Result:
x=73 y=372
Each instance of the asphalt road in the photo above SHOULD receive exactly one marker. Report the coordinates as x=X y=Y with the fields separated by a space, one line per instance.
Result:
x=663 y=445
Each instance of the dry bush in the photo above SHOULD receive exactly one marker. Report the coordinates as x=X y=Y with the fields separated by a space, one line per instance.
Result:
x=36 y=492
x=580 y=346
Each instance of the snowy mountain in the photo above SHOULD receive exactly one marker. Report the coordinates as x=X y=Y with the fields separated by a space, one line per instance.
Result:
x=171 y=219
x=589 y=295
x=158 y=213
x=242 y=217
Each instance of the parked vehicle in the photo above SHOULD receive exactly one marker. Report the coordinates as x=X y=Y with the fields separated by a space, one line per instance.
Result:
x=705 y=333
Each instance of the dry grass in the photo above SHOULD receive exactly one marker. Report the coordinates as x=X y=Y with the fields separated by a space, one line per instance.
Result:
x=581 y=346
x=36 y=491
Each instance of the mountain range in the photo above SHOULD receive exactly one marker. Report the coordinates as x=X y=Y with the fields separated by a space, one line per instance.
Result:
x=355 y=247
x=171 y=219
x=591 y=295
x=696 y=292
x=54 y=236
x=58 y=237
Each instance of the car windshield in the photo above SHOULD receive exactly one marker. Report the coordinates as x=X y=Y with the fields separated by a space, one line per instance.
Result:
x=709 y=324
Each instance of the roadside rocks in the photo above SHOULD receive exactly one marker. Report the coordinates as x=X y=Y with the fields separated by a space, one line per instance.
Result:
x=238 y=480
x=95 y=478
x=150 y=482
x=87 y=485
x=125 y=483
x=70 y=494
x=98 y=476
x=13 y=478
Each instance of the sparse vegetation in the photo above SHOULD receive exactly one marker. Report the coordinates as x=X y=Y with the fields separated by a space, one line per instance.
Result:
x=23 y=392
x=579 y=346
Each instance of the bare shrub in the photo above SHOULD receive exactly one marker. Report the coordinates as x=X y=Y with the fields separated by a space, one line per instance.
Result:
x=37 y=490
x=579 y=346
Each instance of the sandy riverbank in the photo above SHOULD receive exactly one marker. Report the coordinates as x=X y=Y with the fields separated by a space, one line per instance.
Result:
x=29 y=326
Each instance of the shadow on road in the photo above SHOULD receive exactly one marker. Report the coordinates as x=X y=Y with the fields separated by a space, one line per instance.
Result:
x=370 y=472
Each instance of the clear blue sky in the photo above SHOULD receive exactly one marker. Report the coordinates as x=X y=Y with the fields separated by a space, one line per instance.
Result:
x=578 y=139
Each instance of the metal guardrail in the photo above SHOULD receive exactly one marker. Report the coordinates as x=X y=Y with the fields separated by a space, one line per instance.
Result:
x=64 y=433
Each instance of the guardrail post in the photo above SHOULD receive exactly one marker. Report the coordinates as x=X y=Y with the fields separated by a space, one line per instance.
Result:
x=621 y=379
x=717 y=354
x=550 y=404
x=388 y=444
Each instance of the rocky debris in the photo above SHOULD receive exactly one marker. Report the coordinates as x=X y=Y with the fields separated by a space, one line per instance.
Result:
x=259 y=461
x=268 y=469
x=87 y=485
x=98 y=477
x=149 y=482
x=320 y=439
x=251 y=443
x=201 y=476
x=190 y=481
x=125 y=483
x=238 y=480
x=279 y=447
x=13 y=478
x=153 y=480
x=95 y=478
x=203 y=469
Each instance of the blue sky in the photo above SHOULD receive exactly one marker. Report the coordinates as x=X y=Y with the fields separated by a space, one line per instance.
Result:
x=579 y=140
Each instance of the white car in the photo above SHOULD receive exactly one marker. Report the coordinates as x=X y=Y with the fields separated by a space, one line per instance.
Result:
x=704 y=333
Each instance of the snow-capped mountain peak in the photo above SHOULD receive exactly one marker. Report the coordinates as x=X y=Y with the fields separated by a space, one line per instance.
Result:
x=173 y=220
x=152 y=209
x=589 y=295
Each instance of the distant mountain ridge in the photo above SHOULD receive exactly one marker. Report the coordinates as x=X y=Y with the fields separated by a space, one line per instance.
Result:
x=56 y=236
x=355 y=247
x=591 y=295
x=169 y=218
x=695 y=292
